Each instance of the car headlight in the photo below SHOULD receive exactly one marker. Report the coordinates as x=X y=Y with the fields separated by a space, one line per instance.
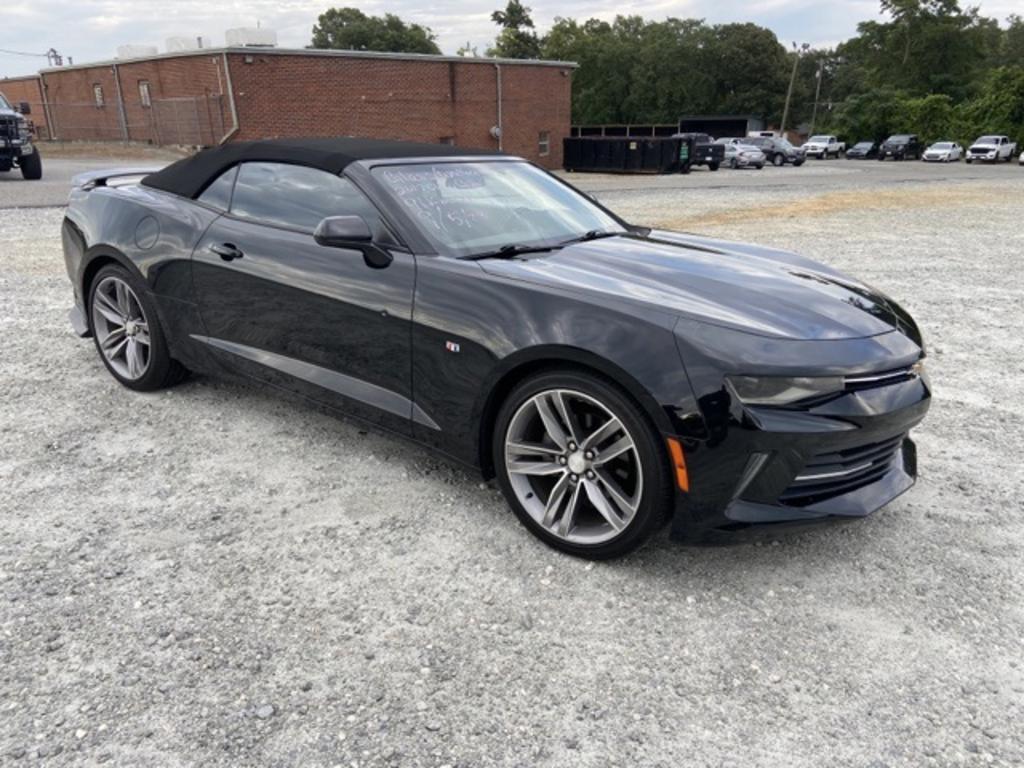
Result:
x=23 y=131
x=777 y=390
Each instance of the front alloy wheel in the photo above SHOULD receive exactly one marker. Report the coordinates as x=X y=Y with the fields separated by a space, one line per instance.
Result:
x=580 y=466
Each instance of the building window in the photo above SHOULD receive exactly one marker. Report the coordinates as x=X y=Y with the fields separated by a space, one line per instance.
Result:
x=448 y=141
x=544 y=143
x=97 y=94
x=144 y=96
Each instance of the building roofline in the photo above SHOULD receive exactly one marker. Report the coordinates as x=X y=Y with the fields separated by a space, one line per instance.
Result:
x=313 y=52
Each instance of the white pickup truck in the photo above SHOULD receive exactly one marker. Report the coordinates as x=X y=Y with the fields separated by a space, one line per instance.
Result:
x=991 y=149
x=823 y=147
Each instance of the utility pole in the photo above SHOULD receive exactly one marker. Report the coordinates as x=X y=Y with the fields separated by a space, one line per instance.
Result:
x=792 y=81
x=817 y=93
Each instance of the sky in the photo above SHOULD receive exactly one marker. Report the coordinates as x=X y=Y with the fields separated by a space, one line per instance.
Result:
x=91 y=30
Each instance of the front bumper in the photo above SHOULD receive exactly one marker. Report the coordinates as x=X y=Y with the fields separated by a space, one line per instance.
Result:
x=767 y=467
x=15 y=148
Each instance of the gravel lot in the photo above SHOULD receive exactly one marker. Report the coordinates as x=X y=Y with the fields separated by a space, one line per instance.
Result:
x=215 y=576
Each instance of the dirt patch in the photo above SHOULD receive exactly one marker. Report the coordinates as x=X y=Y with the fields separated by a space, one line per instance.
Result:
x=113 y=149
x=833 y=203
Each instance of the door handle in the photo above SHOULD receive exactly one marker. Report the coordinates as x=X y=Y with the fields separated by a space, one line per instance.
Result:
x=227 y=251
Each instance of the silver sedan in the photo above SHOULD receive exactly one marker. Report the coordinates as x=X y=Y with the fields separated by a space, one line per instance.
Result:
x=741 y=155
x=943 y=152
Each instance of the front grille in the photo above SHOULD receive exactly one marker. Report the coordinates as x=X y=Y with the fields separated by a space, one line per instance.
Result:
x=8 y=127
x=832 y=474
x=883 y=379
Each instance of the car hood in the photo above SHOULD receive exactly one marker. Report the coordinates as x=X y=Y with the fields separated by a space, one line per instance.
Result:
x=755 y=290
x=985 y=147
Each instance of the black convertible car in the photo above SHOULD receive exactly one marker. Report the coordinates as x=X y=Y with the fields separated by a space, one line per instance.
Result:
x=610 y=375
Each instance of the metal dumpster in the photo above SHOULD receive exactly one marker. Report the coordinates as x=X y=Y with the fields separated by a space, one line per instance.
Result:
x=623 y=154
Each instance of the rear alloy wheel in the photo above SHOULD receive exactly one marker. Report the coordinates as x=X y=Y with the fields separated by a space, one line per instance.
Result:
x=778 y=160
x=580 y=465
x=127 y=334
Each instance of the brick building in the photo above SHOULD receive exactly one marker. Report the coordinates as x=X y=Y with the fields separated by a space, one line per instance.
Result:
x=205 y=97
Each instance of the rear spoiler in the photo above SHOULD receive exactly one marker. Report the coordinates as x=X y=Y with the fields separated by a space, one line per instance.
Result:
x=93 y=179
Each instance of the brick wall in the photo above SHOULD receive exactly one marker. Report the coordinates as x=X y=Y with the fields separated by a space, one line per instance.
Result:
x=280 y=94
x=28 y=89
x=74 y=111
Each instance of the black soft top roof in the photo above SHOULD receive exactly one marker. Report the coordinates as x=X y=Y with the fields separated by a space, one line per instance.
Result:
x=190 y=176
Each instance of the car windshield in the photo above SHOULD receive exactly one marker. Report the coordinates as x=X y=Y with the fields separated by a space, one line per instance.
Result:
x=4 y=103
x=943 y=145
x=818 y=139
x=862 y=145
x=899 y=139
x=988 y=140
x=472 y=208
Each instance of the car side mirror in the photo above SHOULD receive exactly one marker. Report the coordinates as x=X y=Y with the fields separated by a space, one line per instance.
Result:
x=351 y=232
x=25 y=108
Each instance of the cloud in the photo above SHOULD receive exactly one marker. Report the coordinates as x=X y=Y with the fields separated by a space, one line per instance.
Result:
x=42 y=24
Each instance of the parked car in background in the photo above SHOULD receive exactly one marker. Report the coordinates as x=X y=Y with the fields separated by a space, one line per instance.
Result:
x=943 y=152
x=777 y=151
x=606 y=373
x=16 y=147
x=740 y=154
x=823 y=147
x=992 y=149
x=705 y=150
x=862 y=150
x=901 y=146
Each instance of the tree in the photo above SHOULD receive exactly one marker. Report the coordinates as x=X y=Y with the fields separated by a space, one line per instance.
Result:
x=517 y=39
x=351 y=29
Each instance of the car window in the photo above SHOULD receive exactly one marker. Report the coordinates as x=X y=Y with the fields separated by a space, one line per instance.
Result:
x=297 y=197
x=466 y=208
x=218 y=194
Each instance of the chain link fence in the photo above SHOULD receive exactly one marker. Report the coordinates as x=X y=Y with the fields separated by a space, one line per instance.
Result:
x=187 y=121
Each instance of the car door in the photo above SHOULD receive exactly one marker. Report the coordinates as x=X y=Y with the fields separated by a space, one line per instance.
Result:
x=321 y=321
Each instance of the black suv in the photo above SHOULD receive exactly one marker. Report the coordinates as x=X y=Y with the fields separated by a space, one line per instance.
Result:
x=778 y=151
x=705 y=151
x=902 y=146
x=16 y=148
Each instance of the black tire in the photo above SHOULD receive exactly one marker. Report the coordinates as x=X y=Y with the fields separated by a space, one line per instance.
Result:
x=713 y=166
x=657 y=493
x=31 y=166
x=162 y=370
x=797 y=163
x=733 y=164
x=778 y=160
x=968 y=160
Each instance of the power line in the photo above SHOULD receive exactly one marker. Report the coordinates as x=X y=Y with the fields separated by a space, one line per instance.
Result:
x=23 y=53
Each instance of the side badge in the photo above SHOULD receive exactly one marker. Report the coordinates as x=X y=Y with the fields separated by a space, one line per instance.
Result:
x=451 y=346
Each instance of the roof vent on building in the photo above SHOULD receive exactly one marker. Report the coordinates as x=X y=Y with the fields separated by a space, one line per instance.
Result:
x=136 y=51
x=251 y=37
x=178 y=44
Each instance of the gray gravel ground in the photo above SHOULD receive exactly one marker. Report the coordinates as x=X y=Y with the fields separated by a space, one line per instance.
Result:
x=215 y=576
